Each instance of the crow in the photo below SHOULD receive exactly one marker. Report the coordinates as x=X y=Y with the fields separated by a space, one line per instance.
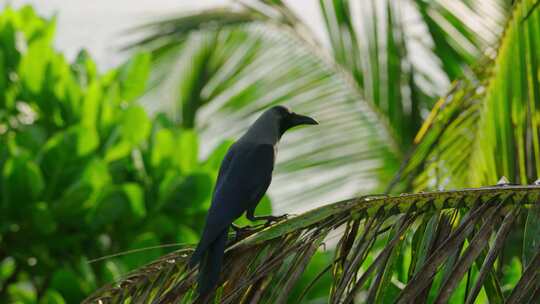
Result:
x=243 y=178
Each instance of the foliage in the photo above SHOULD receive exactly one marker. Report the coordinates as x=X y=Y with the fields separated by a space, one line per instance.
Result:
x=428 y=245
x=84 y=171
x=489 y=121
x=370 y=89
x=470 y=245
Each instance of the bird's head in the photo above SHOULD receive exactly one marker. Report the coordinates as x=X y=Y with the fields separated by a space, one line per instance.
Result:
x=271 y=125
x=288 y=119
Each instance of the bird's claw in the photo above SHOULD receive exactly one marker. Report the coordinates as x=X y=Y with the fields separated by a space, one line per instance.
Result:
x=271 y=219
x=242 y=232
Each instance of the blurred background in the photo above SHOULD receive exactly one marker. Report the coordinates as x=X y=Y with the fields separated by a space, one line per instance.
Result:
x=99 y=26
x=115 y=115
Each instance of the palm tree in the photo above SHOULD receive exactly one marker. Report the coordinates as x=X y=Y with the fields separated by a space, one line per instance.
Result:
x=371 y=87
x=456 y=245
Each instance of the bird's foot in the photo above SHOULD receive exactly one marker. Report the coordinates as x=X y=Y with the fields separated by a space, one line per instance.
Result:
x=242 y=232
x=271 y=219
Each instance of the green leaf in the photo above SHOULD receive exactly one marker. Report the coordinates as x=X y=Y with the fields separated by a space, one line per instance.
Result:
x=135 y=125
x=118 y=151
x=51 y=296
x=83 y=194
x=7 y=267
x=67 y=282
x=163 y=225
x=133 y=76
x=320 y=290
x=196 y=189
x=84 y=68
x=22 y=292
x=22 y=181
x=186 y=235
x=91 y=106
x=112 y=206
x=138 y=259
x=43 y=219
x=188 y=147
x=135 y=195
x=64 y=156
x=163 y=149
x=531 y=235
x=87 y=275
x=31 y=137
x=74 y=142
x=111 y=271
x=213 y=161
x=33 y=65
x=512 y=273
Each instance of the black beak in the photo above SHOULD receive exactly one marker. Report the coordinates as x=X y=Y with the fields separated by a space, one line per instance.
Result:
x=297 y=119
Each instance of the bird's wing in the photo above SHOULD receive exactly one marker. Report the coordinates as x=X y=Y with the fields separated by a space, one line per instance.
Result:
x=245 y=174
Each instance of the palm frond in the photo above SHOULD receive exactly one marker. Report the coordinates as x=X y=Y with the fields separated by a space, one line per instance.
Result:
x=403 y=53
x=224 y=79
x=450 y=237
x=489 y=121
x=215 y=70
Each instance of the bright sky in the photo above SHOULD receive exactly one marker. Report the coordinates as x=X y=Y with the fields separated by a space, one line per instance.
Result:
x=97 y=25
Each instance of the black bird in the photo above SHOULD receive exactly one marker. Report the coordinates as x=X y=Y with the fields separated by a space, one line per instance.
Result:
x=244 y=177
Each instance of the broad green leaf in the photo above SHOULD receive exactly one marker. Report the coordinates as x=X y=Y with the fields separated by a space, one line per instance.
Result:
x=187 y=151
x=163 y=225
x=67 y=282
x=83 y=194
x=112 y=206
x=22 y=181
x=138 y=259
x=135 y=125
x=196 y=188
x=33 y=66
x=167 y=188
x=111 y=271
x=164 y=148
x=64 y=155
x=186 y=235
x=43 y=219
x=31 y=137
x=320 y=289
x=76 y=141
x=133 y=76
x=84 y=68
x=87 y=275
x=22 y=292
x=118 y=151
x=213 y=161
x=52 y=296
x=91 y=106
x=135 y=196
x=512 y=273
x=7 y=267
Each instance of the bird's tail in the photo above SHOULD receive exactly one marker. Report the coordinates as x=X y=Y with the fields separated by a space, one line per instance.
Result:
x=210 y=265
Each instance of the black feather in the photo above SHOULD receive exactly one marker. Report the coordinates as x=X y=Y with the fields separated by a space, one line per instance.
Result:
x=244 y=177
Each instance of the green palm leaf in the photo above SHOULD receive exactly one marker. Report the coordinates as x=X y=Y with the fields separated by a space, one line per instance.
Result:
x=489 y=121
x=445 y=234
x=216 y=70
